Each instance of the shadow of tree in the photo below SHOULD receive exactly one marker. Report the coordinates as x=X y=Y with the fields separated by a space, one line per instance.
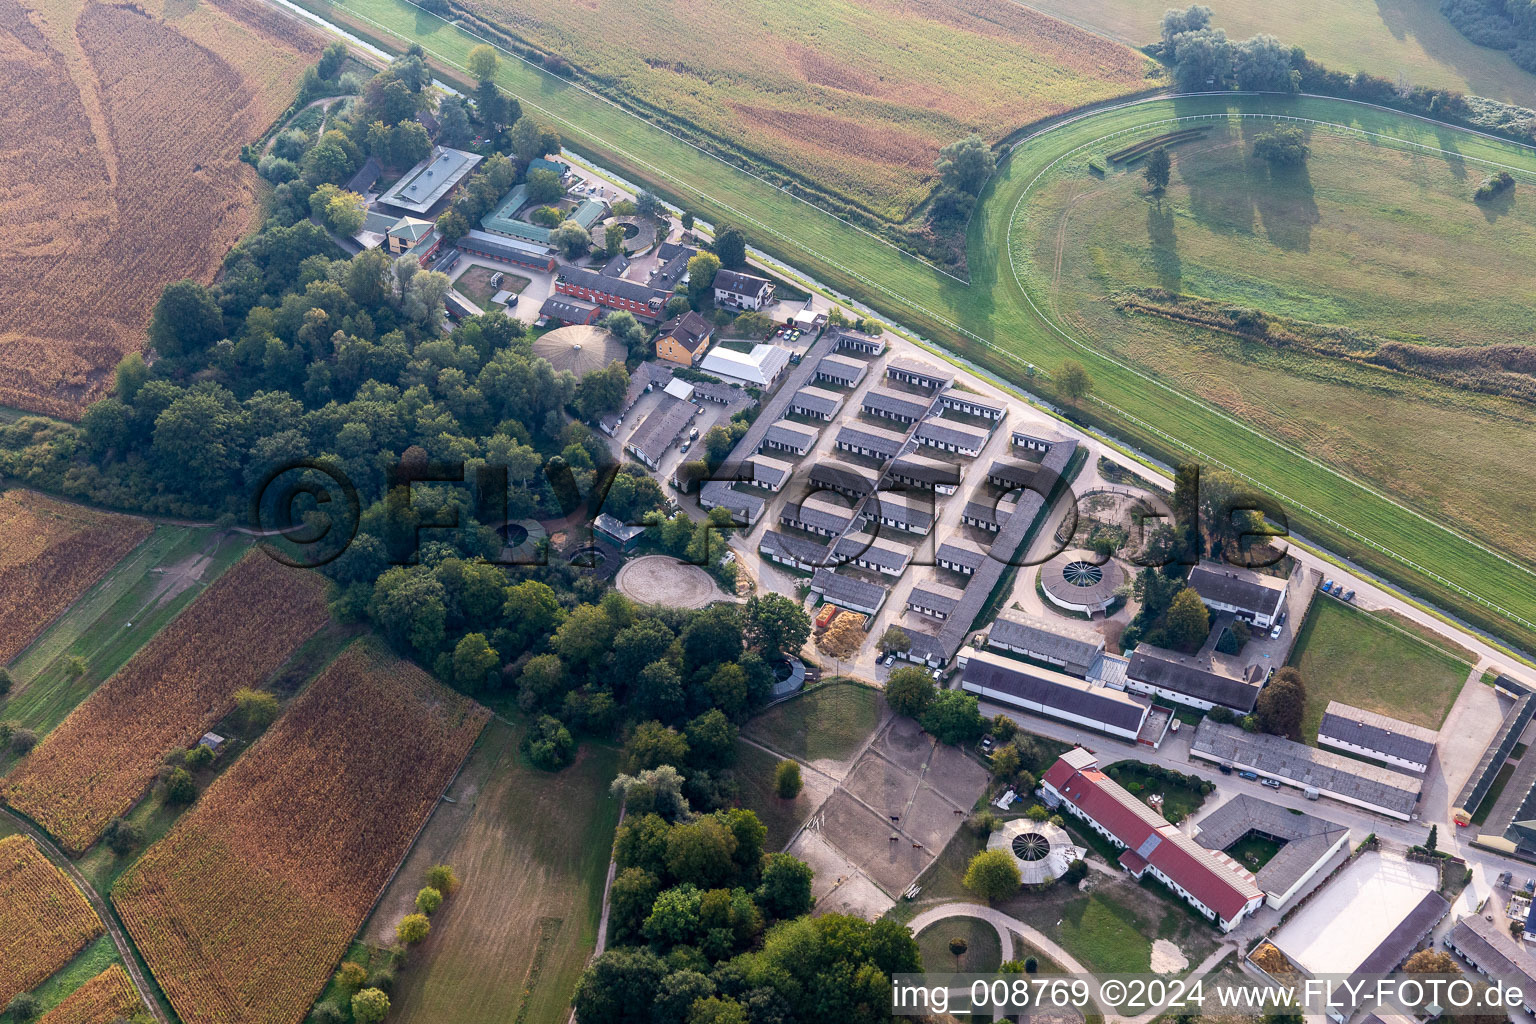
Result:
x=1165 y=247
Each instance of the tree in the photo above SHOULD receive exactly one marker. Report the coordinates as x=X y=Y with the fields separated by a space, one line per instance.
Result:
x=1176 y=22
x=910 y=691
x=532 y=139
x=1189 y=623
x=953 y=717
x=179 y=787
x=331 y=60
x=1157 y=171
x=785 y=890
x=186 y=320
x=548 y=744
x=1202 y=59
x=1434 y=838
x=1073 y=381
x=619 y=987
x=5 y=682
x=453 y=122
x=428 y=900
x=571 y=239
x=493 y=108
x=613 y=240
x=1431 y=961
x=992 y=875
x=351 y=977
x=786 y=780
x=482 y=63
x=686 y=220
x=123 y=836
x=647 y=205
x=413 y=928
x=1263 y=64
x=701 y=277
x=370 y=1006
x=544 y=186
x=1282 y=703
x=601 y=391
x=966 y=165
x=652 y=745
x=345 y=212
x=957 y=948
x=731 y=246
x=1282 y=146
x=442 y=878
x=711 y=739
x=23 y=1007
x=776 y=625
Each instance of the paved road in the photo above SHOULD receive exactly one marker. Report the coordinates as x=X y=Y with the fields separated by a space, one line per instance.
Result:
x=99 y=905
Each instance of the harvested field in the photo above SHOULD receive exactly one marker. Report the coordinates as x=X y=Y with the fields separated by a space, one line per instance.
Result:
x=853 y=97
x=106 y=998
x=120 y=133
x=302 y=833
x=44 y=920
x=53 y=553
x=100 y=761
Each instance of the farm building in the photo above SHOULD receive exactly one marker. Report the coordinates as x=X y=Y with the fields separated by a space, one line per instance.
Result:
x=503 y=220
x=767 y=472
x=683 y=339
x=1395 y=794
x=989 y=517
x=744 y=508
x=919 y=374
x=935 y=599
x=1357 y=731
x=411 y=236
x=971 y=404
x=876 y=554
x=508 y=250
x=1077 y=581
x=849 y=340
x=1177 y=678
x=660 y=430
x=616 y=532
x=671 y=265
x=923 y=473
x=611 y=292
x=424 y=187
x=817 y=514
x=847 y=592
x=1500 y=746
x=960 y=555
x=760 y=367
x=1487 y=946
x=844 y=373
x=736 y=290
x=1073 y=648
x=895 y=405
x=1013 y=474
x=1051 y=694
x=794 y=550
x=580 y=350
x=569 y=311
x=1308 y=843
x=1247 y=594
x=789 y=436
x=950 y=436
x=1035 y=439
x=870 y=442
x=816 y=403
x=1208 y=880
x=909 y=512
x=843 y=477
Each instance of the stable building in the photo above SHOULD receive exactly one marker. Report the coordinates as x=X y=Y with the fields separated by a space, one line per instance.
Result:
x=767 y=472
x=894 y=405
x=744 y=508
x=844 y=373
x=1164 y=674
x=1035 y=439
x=423 y=189
x=960 y=555
x=683 y=339
x=869 y=441
x=736 y=290
x=847 y=592
x=789 y=436
x=876 y=554
x=922 y=473
x=760 y=368
x=849 y=340
x=609 y=291
x=660 y=430
x=819 y=515
x=844 y=478
x=934 y=599
x=1489 y=949
x=1308 y=844
x=793 y=550
x=1208 y=880
x=991 y=517
x=1074 y=649
x=1247 y=594
x=969 y=403
x=575 y=312
x=816 y=403
x=908 y=512
x=919 y=374
x=509 y=250
x=1051 y=694
x=1368 y=734
x=950 y=436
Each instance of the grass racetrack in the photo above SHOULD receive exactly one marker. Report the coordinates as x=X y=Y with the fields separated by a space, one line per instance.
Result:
x=990 y=319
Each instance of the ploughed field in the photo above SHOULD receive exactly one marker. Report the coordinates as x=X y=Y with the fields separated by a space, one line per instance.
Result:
x=855 y=97
x=1395 y=308
x=120 y=134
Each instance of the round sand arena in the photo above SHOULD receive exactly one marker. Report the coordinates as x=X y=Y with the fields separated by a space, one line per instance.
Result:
x=661 y=579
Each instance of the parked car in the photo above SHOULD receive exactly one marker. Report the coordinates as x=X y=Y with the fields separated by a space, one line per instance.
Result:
x=986 y=744
x=1328 y=587
x=1271 y=783
x=1225 y=769
x=1247 y=775
x=686 y=446
x=1283 y=614
x=1274 y=634
x=693 y=433
x=1349 y=595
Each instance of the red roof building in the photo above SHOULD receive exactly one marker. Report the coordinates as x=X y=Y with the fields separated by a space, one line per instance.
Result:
x=1208 y=880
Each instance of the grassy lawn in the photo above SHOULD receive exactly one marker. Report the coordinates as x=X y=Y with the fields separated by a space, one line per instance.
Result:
x=1253 y=851
x=754 y=771
x=1179 y=802
x=983 y=952
x=96 y=957
x=475 y=283
x=1494 y=792
x=1295 y=443
x=1364 y=660
x=532 y=850
x=1101 y=932
x=108 y=625
x=831 y=721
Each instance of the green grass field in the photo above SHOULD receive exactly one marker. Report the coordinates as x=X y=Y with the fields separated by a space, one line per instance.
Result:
x=1102 y=933
x=990 y=319
x=532 y=851
x=1253 y=851
x=1370 y=662
x=754 y=772
x=1394 y=39
x=831 y=722
x=983 y=952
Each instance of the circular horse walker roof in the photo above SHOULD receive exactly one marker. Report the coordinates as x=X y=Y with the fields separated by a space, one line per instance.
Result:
x=1041 y=850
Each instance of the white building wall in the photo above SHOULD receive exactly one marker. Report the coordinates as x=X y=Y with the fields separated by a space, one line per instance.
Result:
x=1376 y=755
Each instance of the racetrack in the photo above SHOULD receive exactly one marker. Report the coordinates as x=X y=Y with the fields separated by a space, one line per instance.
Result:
x=991 y=320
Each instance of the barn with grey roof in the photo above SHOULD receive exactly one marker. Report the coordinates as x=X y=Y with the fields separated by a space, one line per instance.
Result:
x=895 y=405
x=1165 y=674
x=841 y=371
x=870 y=441
x=971 y=404
x=794 y=550
x=1308 y=842
x=909 y=512
x=848 y=592
x=877 y=554
x=817 y=514
x=1368 y=734
x=816 y=403
x=931 y=597
x=1053 y=694
x=960 y=555
x=843 y=477
x=951 y=436
x=918 y=374
x=789 y=436
x=913 y=469
x=1073 y=648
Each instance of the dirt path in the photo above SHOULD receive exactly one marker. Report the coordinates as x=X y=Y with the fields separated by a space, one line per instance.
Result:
x=325 y=101
x=97 y=904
